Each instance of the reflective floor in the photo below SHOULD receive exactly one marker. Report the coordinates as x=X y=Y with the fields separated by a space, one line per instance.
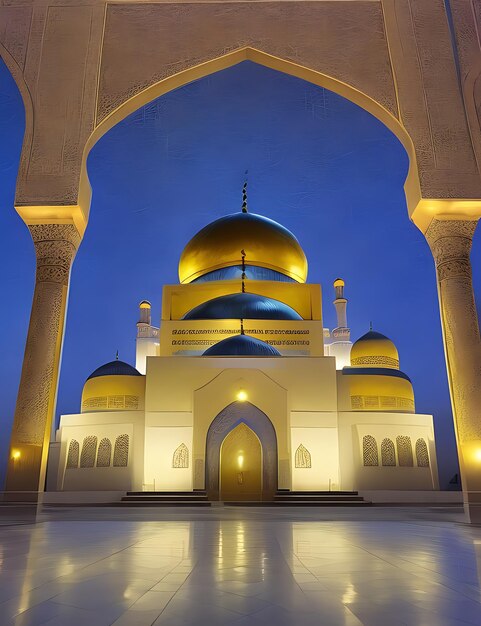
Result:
x=246 y=567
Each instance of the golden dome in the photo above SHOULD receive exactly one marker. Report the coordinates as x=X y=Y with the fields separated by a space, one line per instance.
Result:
x=374 y=350
x=115 y=386
x=265 y=242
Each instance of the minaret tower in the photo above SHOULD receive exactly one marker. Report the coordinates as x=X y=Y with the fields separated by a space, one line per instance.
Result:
x=147 y=343
x=341 y=335
x=340 y=303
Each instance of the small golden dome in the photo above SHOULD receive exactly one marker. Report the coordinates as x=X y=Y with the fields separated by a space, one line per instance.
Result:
x=145 y=304
x=374 y=350
x=265 y=242
x=115 y=386
x=339 y=283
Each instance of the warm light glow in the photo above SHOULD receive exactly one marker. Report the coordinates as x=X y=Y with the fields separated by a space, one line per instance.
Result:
x=240 y=461
x=242 y=395
x=477 y=455
x=15 y=455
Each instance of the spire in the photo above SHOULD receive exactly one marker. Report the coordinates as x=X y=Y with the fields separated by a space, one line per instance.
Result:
x=370 y=326
x=244 y=194
x=117 y=355
x=242 y=327
x=243 y=257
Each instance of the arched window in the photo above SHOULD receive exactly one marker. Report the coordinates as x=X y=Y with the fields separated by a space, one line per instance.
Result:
x=89 y=450
x=369 y=451
x=181 y=457
x=422 y=456
x=121 y=451
x=388 y=453
x=104 y=453
x=73 y=454
x=404 y=451
x=303 y=457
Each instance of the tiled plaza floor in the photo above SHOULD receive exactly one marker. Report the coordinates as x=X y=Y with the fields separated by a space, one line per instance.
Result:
x=248 y=567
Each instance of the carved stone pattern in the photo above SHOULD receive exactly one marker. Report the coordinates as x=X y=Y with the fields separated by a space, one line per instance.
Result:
x=89 y=451
x=404 y=451
x=303 y=458
x=375 y=360
x=450 y=242
x=73 y=454
x=180 y=459
x=166 y=48
x=388 y=453
x=381 y=402
x=370 y=456
x=105 y=452
x=422 y=456
x=55 y=247
x=121 y=451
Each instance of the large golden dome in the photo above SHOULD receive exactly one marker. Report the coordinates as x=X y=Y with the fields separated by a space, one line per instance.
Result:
x=265 y=242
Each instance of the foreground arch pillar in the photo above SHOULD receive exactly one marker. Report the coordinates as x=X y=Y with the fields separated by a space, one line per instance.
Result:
x=450 y=241
x=55 y=247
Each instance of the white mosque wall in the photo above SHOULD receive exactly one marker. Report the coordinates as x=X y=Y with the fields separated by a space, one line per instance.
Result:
x=90 y=429
x=321 y=472
x=168 y=458
x=378 y=426
x=341 y=350
x=144 y=347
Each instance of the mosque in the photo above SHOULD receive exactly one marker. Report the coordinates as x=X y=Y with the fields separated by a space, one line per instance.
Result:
x=242 y=392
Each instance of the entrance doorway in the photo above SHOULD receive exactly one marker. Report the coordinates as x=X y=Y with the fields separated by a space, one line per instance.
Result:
x=241 y=455
x=241 y=465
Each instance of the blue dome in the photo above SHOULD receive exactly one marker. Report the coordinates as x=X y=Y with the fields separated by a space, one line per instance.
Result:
x=115 y=368
x=241 y=345
x=253 y=272
x=236 y=306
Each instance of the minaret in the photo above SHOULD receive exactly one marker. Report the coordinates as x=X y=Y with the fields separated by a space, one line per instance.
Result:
x=340 y=303
x=147 y=343
x=145 y=312
x=341 y=335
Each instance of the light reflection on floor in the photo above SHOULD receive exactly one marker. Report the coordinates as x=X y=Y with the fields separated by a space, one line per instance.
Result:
x=245 y=567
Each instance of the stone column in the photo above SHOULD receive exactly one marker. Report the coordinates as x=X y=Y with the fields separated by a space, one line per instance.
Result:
x=450 y=242
x=55 y=247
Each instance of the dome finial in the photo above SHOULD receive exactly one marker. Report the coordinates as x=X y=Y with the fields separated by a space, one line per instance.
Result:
x=244 y=194
x=370 y=326
x=243 y=276
x=242 y=327
x=117 y=355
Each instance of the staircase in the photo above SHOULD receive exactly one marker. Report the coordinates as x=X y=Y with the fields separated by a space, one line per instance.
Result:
x=165 y=498
x=284 y=497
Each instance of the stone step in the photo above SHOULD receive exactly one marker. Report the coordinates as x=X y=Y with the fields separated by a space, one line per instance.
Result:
x=331 y=498
x=164 y=498
x=300 y=503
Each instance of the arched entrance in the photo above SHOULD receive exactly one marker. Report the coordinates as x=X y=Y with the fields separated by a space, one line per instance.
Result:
x=241 y=465
x=241 y=455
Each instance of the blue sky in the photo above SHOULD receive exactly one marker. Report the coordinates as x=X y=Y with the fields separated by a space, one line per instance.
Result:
x=317 y=163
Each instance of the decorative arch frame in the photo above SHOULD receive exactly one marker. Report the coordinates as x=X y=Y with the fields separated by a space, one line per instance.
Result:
x=231 y=416
x=174 y=81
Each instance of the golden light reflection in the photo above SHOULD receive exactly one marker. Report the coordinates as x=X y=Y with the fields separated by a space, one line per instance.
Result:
x=16 y=455
x=477 y=455
x=240 y=461
x=242 y=395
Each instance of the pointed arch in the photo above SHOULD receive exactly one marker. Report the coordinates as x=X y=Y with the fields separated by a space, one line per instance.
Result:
x=422 y=455
x=404 y=451
x=105 y=452
x=73 y=454
x=303 y=458
x=370 y=456
x=411 y=186
x=121 y=451
x=388 y=453
x=181 y=457
x=89 y=451
x=229 y=418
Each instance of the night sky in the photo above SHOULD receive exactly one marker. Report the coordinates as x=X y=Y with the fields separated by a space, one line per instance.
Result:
x=318 y=164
